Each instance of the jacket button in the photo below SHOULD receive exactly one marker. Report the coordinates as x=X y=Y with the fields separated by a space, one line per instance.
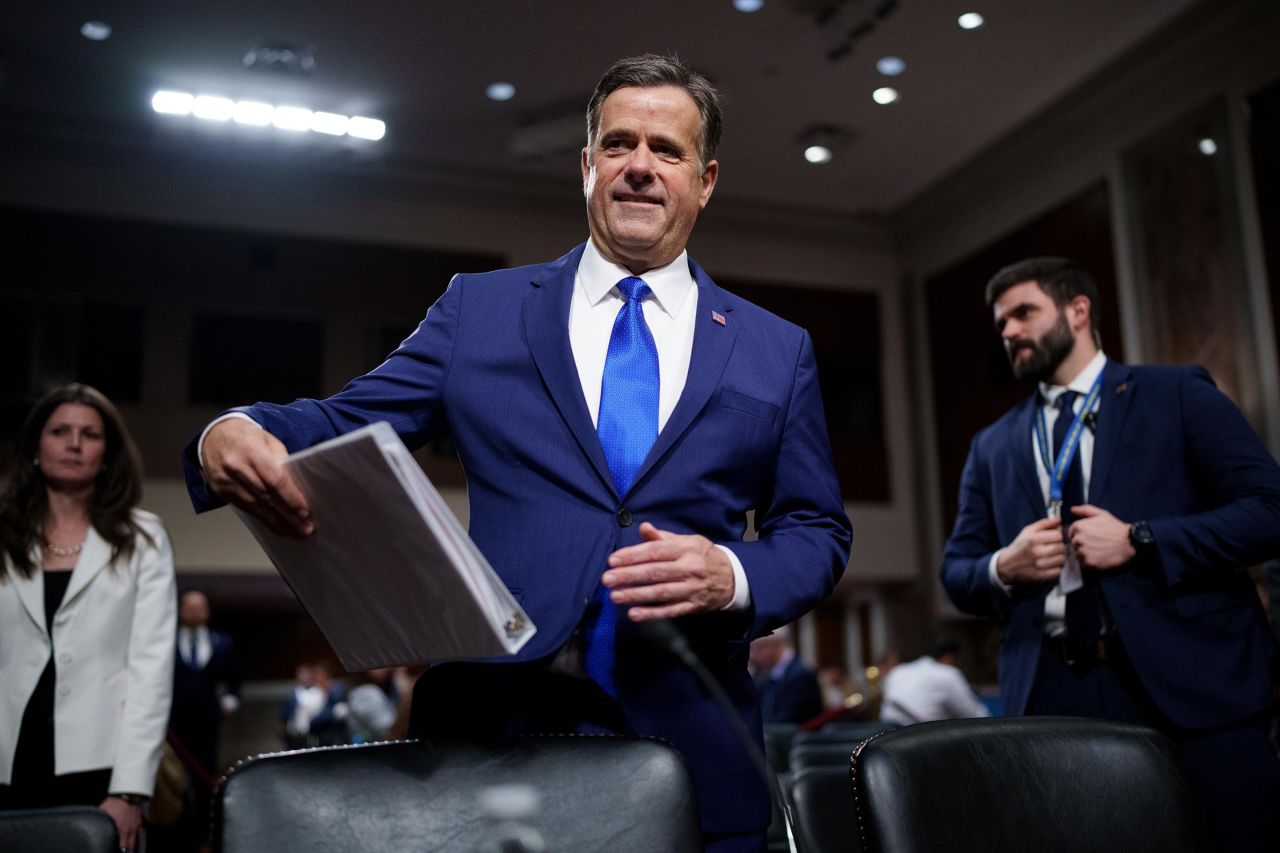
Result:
x=624 y=517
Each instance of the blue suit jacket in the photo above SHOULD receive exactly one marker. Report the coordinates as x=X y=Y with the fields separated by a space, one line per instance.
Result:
x=1172 y=450
x=491 y=364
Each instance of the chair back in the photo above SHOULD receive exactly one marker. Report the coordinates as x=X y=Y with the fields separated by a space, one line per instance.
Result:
x=822 y=808
x=1000 y=785
x=66 y=829
x=596 y=793
x=850 y=733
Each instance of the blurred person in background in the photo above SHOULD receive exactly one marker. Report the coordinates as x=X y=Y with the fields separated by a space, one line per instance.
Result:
x=87 y=616
x=930 y=687
x=789 y=691
x=206 y=688
x=371 y=705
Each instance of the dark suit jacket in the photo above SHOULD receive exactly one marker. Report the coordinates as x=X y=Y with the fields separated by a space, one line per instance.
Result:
x=1172 y=450
x=197 y=710
x=491 y=364
x=793 y=697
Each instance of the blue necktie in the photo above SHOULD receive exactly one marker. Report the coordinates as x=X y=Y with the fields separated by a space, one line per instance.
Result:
x=627 y=426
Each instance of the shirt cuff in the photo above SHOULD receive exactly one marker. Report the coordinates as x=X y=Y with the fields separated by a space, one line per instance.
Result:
x=213 y=423
x=741 y=591
x=994 y=576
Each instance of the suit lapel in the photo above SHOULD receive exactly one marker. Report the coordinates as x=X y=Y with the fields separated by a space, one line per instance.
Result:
x=31 y=594
x=546 y=323
x=1024 y=455
x=712 y=344
x=1113 y=409
x=95 y=555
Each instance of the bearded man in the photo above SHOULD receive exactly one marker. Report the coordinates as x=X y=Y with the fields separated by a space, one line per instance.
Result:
x=1106 y=522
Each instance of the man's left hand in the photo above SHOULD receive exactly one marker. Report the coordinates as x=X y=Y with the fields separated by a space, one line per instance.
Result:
x=1100 y=540
x=669 y=575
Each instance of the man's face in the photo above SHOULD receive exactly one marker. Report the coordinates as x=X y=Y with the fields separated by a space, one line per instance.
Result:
x=1036 y=335
x=643 y=177
x=193 y=610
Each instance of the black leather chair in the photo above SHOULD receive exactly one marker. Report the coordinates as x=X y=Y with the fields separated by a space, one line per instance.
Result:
x=850 y=733
x=1048 y=784
x=597 y=793
x=66 y=829
x=822 y=809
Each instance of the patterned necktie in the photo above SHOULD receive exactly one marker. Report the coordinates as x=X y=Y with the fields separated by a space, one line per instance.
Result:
x=1084 y=606
x=627 y=426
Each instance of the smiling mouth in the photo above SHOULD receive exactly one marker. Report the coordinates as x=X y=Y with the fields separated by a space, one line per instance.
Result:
x=636 y=199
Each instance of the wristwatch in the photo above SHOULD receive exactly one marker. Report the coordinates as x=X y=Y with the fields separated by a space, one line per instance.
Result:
x=1142 y=539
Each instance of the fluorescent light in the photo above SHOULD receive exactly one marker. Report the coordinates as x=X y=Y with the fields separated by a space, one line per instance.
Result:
x=885 y=95
x=173 y=103
x=366 y=128
x=748 y=5
x=970 y=21
x=1208 y=147
x=891 y=66
x=818 y=154
x=331 y=123
x=213 y=108
x=292 y=118
x=500 y=91
x=253 y=113
x=95 y=30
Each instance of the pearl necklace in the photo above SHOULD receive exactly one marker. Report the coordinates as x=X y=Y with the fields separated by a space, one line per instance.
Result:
x=65 y=552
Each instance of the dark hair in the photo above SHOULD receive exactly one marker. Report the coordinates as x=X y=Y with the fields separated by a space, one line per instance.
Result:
x=941 y=648
x=25 y=501
x=1061 y=279
x=652 y=70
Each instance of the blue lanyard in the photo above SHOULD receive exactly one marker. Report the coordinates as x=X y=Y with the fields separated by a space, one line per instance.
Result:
x=1070 y=444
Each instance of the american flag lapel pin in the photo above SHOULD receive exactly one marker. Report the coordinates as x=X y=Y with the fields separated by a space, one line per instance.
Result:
x=718 y=317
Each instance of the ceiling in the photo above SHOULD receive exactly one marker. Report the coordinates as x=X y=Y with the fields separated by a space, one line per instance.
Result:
x=423 y=67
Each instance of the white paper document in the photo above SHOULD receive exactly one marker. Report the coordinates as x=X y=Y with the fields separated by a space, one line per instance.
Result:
x=389 y=575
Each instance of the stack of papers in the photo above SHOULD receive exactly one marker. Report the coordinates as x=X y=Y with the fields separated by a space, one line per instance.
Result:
x=389 y=575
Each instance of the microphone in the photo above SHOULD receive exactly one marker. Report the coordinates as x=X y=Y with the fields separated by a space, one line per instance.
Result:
x=663 y=634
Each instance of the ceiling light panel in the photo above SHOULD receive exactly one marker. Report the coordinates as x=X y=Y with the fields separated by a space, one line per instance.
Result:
x=292 y=119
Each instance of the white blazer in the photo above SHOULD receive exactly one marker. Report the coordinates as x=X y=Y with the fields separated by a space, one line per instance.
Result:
x=114 y=639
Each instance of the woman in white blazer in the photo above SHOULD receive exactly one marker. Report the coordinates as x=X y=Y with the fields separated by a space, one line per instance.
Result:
x=87 y=616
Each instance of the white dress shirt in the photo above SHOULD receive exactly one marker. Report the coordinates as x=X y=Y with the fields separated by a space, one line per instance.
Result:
x=1055 y=603
x=670 y=314
x=926 y=689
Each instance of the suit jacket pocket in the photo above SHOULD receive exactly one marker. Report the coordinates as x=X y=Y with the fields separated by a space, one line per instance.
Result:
x=745 y=403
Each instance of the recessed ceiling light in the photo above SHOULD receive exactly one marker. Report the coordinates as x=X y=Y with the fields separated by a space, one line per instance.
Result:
x=213 y=108
x=253 y=113
x=366 y=128
x=334 y=124
x=970 y=21
x=1208 y=147
x=818 y=154
x=173 y=103
x=292 y=118
x=885 y=95
x=748 y=5
x=500 y=91
x=891 y=66
x=95 y=30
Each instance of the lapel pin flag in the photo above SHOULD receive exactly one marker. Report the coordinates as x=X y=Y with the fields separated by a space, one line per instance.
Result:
x=1121 y=388
x=718 y=317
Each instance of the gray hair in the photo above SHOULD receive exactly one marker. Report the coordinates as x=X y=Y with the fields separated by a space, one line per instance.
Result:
x=648 y=71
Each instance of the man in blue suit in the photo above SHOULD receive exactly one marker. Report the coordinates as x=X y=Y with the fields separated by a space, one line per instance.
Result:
x=618 y=415
x=1105 y=522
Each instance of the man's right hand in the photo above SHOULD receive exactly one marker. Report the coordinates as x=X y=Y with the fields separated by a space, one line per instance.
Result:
x=1035 y=556
x=242 y=465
